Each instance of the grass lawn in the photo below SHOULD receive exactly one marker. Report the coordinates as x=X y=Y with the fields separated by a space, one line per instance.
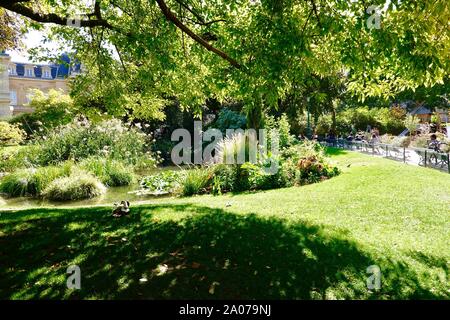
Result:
x=311 y=242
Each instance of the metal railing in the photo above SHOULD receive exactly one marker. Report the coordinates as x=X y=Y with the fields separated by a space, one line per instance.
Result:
x=419 y=156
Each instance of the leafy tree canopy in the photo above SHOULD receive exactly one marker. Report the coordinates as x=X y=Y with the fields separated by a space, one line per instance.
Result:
x=138 y=54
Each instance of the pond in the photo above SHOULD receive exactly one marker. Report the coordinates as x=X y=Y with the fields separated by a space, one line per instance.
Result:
x=112 y=195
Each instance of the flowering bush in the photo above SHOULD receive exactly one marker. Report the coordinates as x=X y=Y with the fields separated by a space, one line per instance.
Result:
x=312 y=169
x=81 y=139
x=306 y=163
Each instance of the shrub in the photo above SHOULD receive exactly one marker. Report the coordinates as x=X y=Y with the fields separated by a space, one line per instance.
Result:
x=306 y=163
x=15 y=185
x=247 y=176
x=112 y=173
x=196 y=181
x=229 y=119
x=411 y=123
x=80 y=140
x=290 y=172
x=79 y=185
x=50 y=110
x=243 y=176
x=10 y=134
x=20 y=157
x=216 y=186
x=164 y=146
x=312 y=170
x=162 y=182
x=420 y=141
x=225 y=177
x=387 y=120
x=282 y=126
x=258 y=179
x=360 y=118
x=305 y=149
x=387 y=139
x=323 y=125
x=230 y=152
x=32 y=181
x=391 y=119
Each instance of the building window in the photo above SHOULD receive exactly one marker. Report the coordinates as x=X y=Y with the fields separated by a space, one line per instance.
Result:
x=27 y=98
x=12 y=69
x=29 y=72
x=13 y=97
x=46 y=74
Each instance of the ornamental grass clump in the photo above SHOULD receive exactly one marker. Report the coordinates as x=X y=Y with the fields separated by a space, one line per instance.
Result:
x=112 y=173
x=32 y=181
x=78 y=186
x=196 y=181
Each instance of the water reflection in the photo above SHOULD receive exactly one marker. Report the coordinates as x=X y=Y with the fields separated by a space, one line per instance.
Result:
x=111 y=196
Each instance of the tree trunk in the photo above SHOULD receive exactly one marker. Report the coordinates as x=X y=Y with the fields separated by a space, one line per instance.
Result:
x=333 y=120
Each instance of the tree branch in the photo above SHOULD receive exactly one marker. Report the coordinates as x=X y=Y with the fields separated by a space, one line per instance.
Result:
x=316 y=13
x=200 y=19
x=18 y=7
x=171 y=17
x=192 y=11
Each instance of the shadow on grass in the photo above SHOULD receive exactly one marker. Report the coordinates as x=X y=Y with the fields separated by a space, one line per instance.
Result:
x=208 y=254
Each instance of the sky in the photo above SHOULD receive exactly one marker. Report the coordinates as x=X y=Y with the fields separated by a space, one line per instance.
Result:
x=32 y=39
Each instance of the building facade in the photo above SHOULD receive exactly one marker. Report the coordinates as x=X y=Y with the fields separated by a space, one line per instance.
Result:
x=17 y=79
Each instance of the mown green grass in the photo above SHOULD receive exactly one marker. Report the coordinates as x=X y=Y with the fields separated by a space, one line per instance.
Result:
x=311 y=242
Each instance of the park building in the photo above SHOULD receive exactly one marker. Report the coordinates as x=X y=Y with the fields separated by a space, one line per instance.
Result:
x=17 y=79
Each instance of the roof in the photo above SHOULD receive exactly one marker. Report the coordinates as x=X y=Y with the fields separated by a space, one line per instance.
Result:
x=58 y=71
x=421 y=110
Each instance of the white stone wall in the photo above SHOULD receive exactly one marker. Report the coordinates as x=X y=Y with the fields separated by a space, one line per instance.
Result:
x=5 y=108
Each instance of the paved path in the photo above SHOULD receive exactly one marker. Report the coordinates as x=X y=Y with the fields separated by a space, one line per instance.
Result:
x=410 y=156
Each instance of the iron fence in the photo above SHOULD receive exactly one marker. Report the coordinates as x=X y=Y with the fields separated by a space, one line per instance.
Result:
x=419 y=156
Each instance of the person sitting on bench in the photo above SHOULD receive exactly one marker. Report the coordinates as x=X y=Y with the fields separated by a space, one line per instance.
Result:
x=434 y=143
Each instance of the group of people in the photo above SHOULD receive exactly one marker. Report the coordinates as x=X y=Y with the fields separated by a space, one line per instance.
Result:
x=434 y=144
x=359 y=136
